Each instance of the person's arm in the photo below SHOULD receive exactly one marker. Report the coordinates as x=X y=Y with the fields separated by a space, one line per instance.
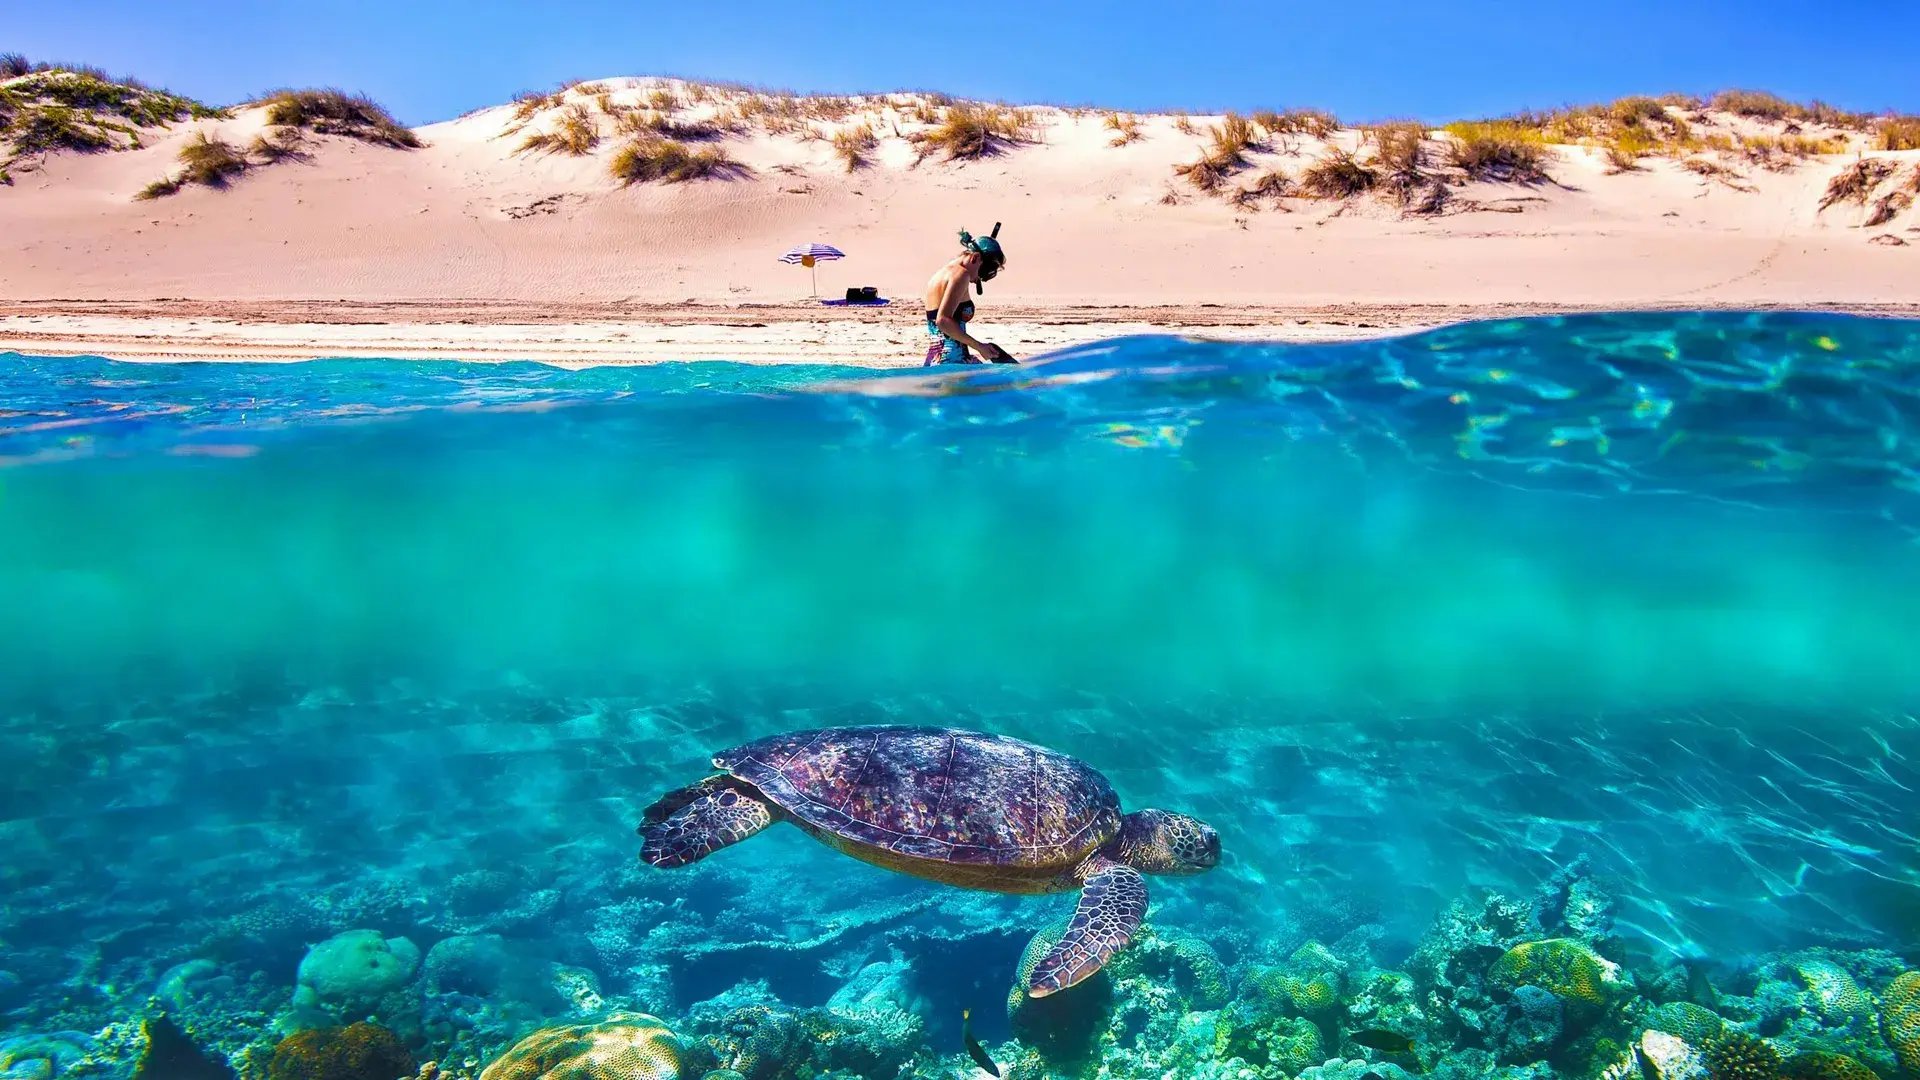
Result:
x=949 y=303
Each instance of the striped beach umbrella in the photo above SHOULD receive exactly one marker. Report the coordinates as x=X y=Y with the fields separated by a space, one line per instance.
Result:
x=811 y=255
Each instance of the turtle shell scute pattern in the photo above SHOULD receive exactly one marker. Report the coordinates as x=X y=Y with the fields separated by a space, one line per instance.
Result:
x=935 y=793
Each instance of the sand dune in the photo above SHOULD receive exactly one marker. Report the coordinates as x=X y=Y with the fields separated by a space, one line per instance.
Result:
x=469 y=218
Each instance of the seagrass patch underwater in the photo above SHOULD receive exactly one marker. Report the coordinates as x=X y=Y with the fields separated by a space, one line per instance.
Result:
x=1548 y=681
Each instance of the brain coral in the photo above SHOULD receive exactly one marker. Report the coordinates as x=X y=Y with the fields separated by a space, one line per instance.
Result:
x=1735 y=1055
x=1563 y=966
x=1691 y=1022
x=625 y=1046
x=1900 y=1019
x=1826 y=1067
x=360 y=1051
x=1838 y=998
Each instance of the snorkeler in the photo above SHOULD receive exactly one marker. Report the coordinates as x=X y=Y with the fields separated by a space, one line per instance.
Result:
x=948 y=308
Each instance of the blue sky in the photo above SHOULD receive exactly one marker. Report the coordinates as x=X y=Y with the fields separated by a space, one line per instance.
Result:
x=432 y=60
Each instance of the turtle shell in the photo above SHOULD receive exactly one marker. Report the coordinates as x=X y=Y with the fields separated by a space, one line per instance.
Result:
x=938 y=794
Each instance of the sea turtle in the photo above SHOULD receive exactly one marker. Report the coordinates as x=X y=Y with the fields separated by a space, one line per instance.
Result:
x=960 y=807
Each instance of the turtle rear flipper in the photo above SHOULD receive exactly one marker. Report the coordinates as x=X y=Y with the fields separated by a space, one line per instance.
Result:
x=1112 y=904
x=717 y=814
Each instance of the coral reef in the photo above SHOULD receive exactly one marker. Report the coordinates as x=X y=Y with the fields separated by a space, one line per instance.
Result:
x=359 y=1051
x=624 y=1046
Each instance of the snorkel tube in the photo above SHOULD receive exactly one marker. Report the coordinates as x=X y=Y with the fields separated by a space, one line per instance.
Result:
x=992 y=255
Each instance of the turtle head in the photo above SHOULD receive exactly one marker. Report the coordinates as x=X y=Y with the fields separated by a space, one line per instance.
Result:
x=1162 y=842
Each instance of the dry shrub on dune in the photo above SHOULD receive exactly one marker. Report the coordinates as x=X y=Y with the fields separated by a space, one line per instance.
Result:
x=1339 y=175
x=1400 y=151
x=1125 y=126
x=672 y=162
x=1856 y=182
x=280 y=144
x=1272 y=184
x=336 y=112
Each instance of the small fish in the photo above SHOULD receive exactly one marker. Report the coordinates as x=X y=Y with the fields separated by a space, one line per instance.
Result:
x=1387 y=1042
x=974 y=1050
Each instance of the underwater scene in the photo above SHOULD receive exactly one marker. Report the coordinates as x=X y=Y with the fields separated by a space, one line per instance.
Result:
x=1518 y=699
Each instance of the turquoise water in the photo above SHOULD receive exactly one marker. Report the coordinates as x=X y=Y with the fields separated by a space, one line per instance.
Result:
x=1609 y=609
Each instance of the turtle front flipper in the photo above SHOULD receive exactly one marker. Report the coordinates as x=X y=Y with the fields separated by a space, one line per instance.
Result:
x=1112 y=903
x=694 y=822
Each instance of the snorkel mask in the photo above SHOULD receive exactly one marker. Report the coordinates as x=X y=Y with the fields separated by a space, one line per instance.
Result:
x=992 y=256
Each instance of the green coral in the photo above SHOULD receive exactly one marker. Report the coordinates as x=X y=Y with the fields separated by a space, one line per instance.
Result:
x=1735 y=1055
x=1289 y=1044
x=360 y=1051
x=1180 y=959
x=1563 y=966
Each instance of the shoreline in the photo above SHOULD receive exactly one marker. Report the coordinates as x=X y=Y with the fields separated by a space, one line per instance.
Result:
x=583 y=334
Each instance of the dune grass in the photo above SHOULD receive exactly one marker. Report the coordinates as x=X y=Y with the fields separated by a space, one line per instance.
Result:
x=574 y=132
x=47 y=107
x=643 y=160
x=205 y=160
x=160 y=189
x=1899 y=133
x=1499 y=150
x=970 y=131
x=1624 y=150
x=277 y=145
x=853 y=143
x=331 y=111
x=1312 y=122
x=1400 y=157
x=1232 y=136
x=659 y=125
x=1756 y=104
x=211 y=161
x=1125 y=126
x=1339 y=175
